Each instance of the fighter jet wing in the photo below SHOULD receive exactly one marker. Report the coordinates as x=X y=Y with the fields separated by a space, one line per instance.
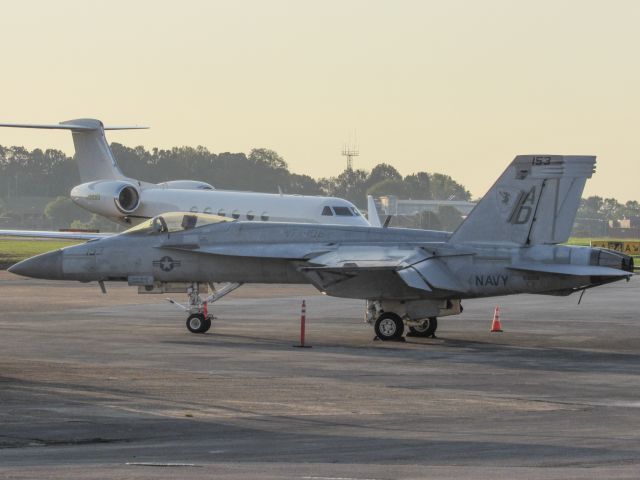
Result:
x=368 y=256
x=416 y=267
x=374 y=267
x=285 y=251
x=576 y=270
x=434 y=273
x=53 y=234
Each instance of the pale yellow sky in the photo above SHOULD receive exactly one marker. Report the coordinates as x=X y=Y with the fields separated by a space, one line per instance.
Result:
x=458 y=87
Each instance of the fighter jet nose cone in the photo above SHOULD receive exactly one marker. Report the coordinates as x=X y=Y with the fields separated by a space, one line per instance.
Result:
x=47 y=266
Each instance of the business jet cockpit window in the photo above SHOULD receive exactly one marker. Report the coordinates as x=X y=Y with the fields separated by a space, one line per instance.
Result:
x=176 y=222
x=326 y=211
x=343 y=211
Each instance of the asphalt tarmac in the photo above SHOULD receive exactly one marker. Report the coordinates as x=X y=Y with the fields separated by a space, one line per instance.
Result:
x=95 y=386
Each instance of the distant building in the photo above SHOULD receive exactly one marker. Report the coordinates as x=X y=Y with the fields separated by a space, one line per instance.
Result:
x=631 y=222
x=625 y=228
x=392 y=205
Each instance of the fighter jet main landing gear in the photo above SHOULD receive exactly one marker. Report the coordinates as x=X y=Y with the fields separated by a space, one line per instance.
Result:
x=389 y=326
x=389 y=317
x=427 y=328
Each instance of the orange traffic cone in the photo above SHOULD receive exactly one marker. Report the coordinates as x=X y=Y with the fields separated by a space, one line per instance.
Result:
x=496 y=326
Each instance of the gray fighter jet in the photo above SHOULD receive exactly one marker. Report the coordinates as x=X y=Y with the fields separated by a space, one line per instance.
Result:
x=507 y=245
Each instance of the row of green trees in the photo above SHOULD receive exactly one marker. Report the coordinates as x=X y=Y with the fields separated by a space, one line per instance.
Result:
x=607 y=209
x=264 y=170
x=47 y=173
x=62 y=212
x=52 y=173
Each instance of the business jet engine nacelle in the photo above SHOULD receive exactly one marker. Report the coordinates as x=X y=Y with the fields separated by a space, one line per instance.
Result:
x=186 y=185
x=111 y=198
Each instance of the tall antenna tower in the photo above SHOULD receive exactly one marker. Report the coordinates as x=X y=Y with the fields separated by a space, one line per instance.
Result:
x=350 y=152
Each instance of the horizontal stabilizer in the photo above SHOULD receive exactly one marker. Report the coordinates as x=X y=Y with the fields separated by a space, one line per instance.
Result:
x=567 y=269
x=79 y=127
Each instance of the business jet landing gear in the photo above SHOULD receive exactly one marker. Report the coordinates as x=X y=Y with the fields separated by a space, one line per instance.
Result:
x=427 y=328
x=199 y=320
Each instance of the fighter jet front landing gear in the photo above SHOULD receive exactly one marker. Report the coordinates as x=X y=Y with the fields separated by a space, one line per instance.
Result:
x=427 y=328
x=389 y=326
x=199 y=320
x=198 y=323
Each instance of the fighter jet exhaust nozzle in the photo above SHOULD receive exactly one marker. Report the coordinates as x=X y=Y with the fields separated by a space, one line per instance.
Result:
x=630 y=266
x=610 y=258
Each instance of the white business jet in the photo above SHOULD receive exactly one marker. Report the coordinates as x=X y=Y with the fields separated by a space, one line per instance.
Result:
x=106 y=191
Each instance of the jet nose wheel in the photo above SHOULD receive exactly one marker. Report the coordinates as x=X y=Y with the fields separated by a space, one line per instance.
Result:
x=389 y=326
x=198 y=323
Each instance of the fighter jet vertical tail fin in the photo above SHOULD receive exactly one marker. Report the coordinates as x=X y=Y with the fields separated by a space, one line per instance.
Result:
x=534 y=202
x=93 y=155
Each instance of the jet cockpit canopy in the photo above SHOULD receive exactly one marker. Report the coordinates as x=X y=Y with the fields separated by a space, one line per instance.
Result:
x=176 y=222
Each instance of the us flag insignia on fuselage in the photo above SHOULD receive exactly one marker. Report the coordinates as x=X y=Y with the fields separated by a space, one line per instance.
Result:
x=166 y=264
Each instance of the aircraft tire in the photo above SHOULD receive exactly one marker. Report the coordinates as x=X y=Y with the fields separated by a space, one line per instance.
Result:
x=389 y=326
x=196 y=323
x=427 y=330
x=207 y=325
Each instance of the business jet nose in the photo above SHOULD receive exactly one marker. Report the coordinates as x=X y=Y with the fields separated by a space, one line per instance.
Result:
x=47 y=266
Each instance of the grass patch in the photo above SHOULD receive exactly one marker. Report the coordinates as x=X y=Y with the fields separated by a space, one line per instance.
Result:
x=580 y=241
x=586 y=241
x=13 y=250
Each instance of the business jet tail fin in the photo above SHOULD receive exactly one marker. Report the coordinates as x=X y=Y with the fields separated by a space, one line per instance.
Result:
x=372 y=212
x=93 y=155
